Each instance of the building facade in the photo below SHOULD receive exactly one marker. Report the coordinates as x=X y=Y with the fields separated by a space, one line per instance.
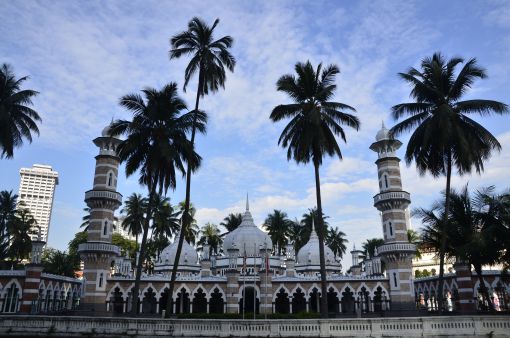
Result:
x=36 y=193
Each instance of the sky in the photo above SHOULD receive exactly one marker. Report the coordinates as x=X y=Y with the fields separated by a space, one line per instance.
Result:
x=82 y=56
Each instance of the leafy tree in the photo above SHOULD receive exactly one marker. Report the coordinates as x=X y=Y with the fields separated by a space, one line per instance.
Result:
x=59 y=263
x=157 y=146
x=444 y=136
x=231 y=222
x=134 y=209
x=310 y=134
x=72 y=247
x=211 y=236
x=156 y=245
x=126 y=245
x=336 y=241
x=17 y=120
x=20 y=229
x=370 y=245
x=278 y=226
x=209 y=58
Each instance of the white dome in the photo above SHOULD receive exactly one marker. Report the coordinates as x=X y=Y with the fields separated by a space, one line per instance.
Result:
x=383 y=134
x=247 y=237
x=189 y=255
x=309 y=253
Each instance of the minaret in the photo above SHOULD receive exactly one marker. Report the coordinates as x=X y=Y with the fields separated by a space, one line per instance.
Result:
x=392 y=202
x=98 y=253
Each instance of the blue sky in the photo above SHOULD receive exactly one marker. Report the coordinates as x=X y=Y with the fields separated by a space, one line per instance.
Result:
x=83 y=56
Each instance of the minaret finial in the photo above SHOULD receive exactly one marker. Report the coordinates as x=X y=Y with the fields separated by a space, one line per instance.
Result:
x=313 y=225
x=383 y=126
x=247 y=203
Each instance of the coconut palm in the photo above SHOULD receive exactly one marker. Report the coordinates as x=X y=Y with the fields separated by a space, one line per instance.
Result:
x=17 y=120
x=336 y=241
x=315 y=121
x=231 y=222
x=210 y=236
x=157 y=146
x=444 y=136
x=413 y=237
x=20 y=229
x=134 y=209
x=85 y=219
x=278 y=227
x=370 y=245
x=7 y=212
x=209 y=58
x=165 y=219
x=192 y=230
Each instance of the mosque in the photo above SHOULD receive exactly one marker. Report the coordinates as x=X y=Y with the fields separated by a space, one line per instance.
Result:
x=248 y=277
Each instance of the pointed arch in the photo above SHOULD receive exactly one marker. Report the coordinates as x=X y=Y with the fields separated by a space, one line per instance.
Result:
x=9 y=284
x=179 y=288
x=277 y=290
x=112 y=291
x=310 y=290
x=140 y=295
x=240 y=292
x=220 y=290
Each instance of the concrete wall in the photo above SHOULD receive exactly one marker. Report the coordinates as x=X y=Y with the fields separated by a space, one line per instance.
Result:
x=467 y=326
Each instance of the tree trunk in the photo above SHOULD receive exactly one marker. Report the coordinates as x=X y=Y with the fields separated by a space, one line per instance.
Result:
x=184 y=217
x=442 y=249
x=483 y=288
x=320 y=234
x=141 y=257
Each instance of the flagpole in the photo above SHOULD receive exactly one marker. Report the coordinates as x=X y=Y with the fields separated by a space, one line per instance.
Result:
x=265 y=282
x=254 y=282
x=244 y=279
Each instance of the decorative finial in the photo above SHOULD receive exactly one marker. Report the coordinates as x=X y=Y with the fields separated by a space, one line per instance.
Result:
x=313 y=225
x=247 y=203
x=383 y=126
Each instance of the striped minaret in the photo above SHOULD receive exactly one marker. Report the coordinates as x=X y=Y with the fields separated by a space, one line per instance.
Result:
x=464 y=277
x=31 y=301
x=98 y=253
x=392 y=202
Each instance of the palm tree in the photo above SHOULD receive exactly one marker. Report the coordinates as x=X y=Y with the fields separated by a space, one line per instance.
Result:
x=20 y=229
x=444 y=135
x=192 y=230
x=336 y=241
x=165 y=220
x=211 y=236
x=134 y=208
x=209 y=58
x=278 y=226
x=17 y=119
x=58 y=262
x=85 y=219
x=7 y=212
x=157 y=146
x=231 y=222
x=413 y=237
x=310 y=134
x=370 y=245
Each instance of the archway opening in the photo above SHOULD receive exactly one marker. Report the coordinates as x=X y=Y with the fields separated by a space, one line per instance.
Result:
x=347 y=301
x=199 y=302
x=216 y=304
x=333 y=301
x=149 y=303
x=252 y=302
x=298 y=301
x=315 y=300
x=282 y=304
x=182 y=302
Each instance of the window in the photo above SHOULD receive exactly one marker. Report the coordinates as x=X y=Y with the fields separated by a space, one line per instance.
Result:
x=11 y=299
x=386 y=181
x=395 y=279
x=110 y=179
x=105 y=228
x=101 y=280
x=391 y=230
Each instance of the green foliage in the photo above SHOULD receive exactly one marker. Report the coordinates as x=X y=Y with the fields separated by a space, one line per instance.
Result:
x=59 y=262
x=7 y=215
x=231 y=222
x=191 y=229
x=278 y=226
x=126 y=245
x=20 y=228
x=72 y=247
x=336 y=241
x=211 y=236
x=370 y=245
x=156 y=245
x=18 y=120
x=135 y=208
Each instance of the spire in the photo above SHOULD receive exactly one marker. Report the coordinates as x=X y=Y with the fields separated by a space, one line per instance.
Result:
x=313 y=234
x=247 y=203
x=383 y=126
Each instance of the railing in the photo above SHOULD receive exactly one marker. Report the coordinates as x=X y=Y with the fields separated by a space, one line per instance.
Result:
x=392 y=195
x=408 y=247
x=112 y=195
x=94 y=246
x=144 y=327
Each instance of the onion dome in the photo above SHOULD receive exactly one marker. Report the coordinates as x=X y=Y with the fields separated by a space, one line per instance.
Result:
x=309 y=253
x=248 y=238
x=383 y=134
x=189 y=255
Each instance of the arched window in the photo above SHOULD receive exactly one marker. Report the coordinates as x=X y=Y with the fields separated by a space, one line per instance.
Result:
x=386 y=181
x=101 y=280
x=391 y=230
x=11 y=299
x=105 y=228
x=110 y=179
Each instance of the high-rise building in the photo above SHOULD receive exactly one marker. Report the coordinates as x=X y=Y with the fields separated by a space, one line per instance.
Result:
x=118 y=229
x=36 y=192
